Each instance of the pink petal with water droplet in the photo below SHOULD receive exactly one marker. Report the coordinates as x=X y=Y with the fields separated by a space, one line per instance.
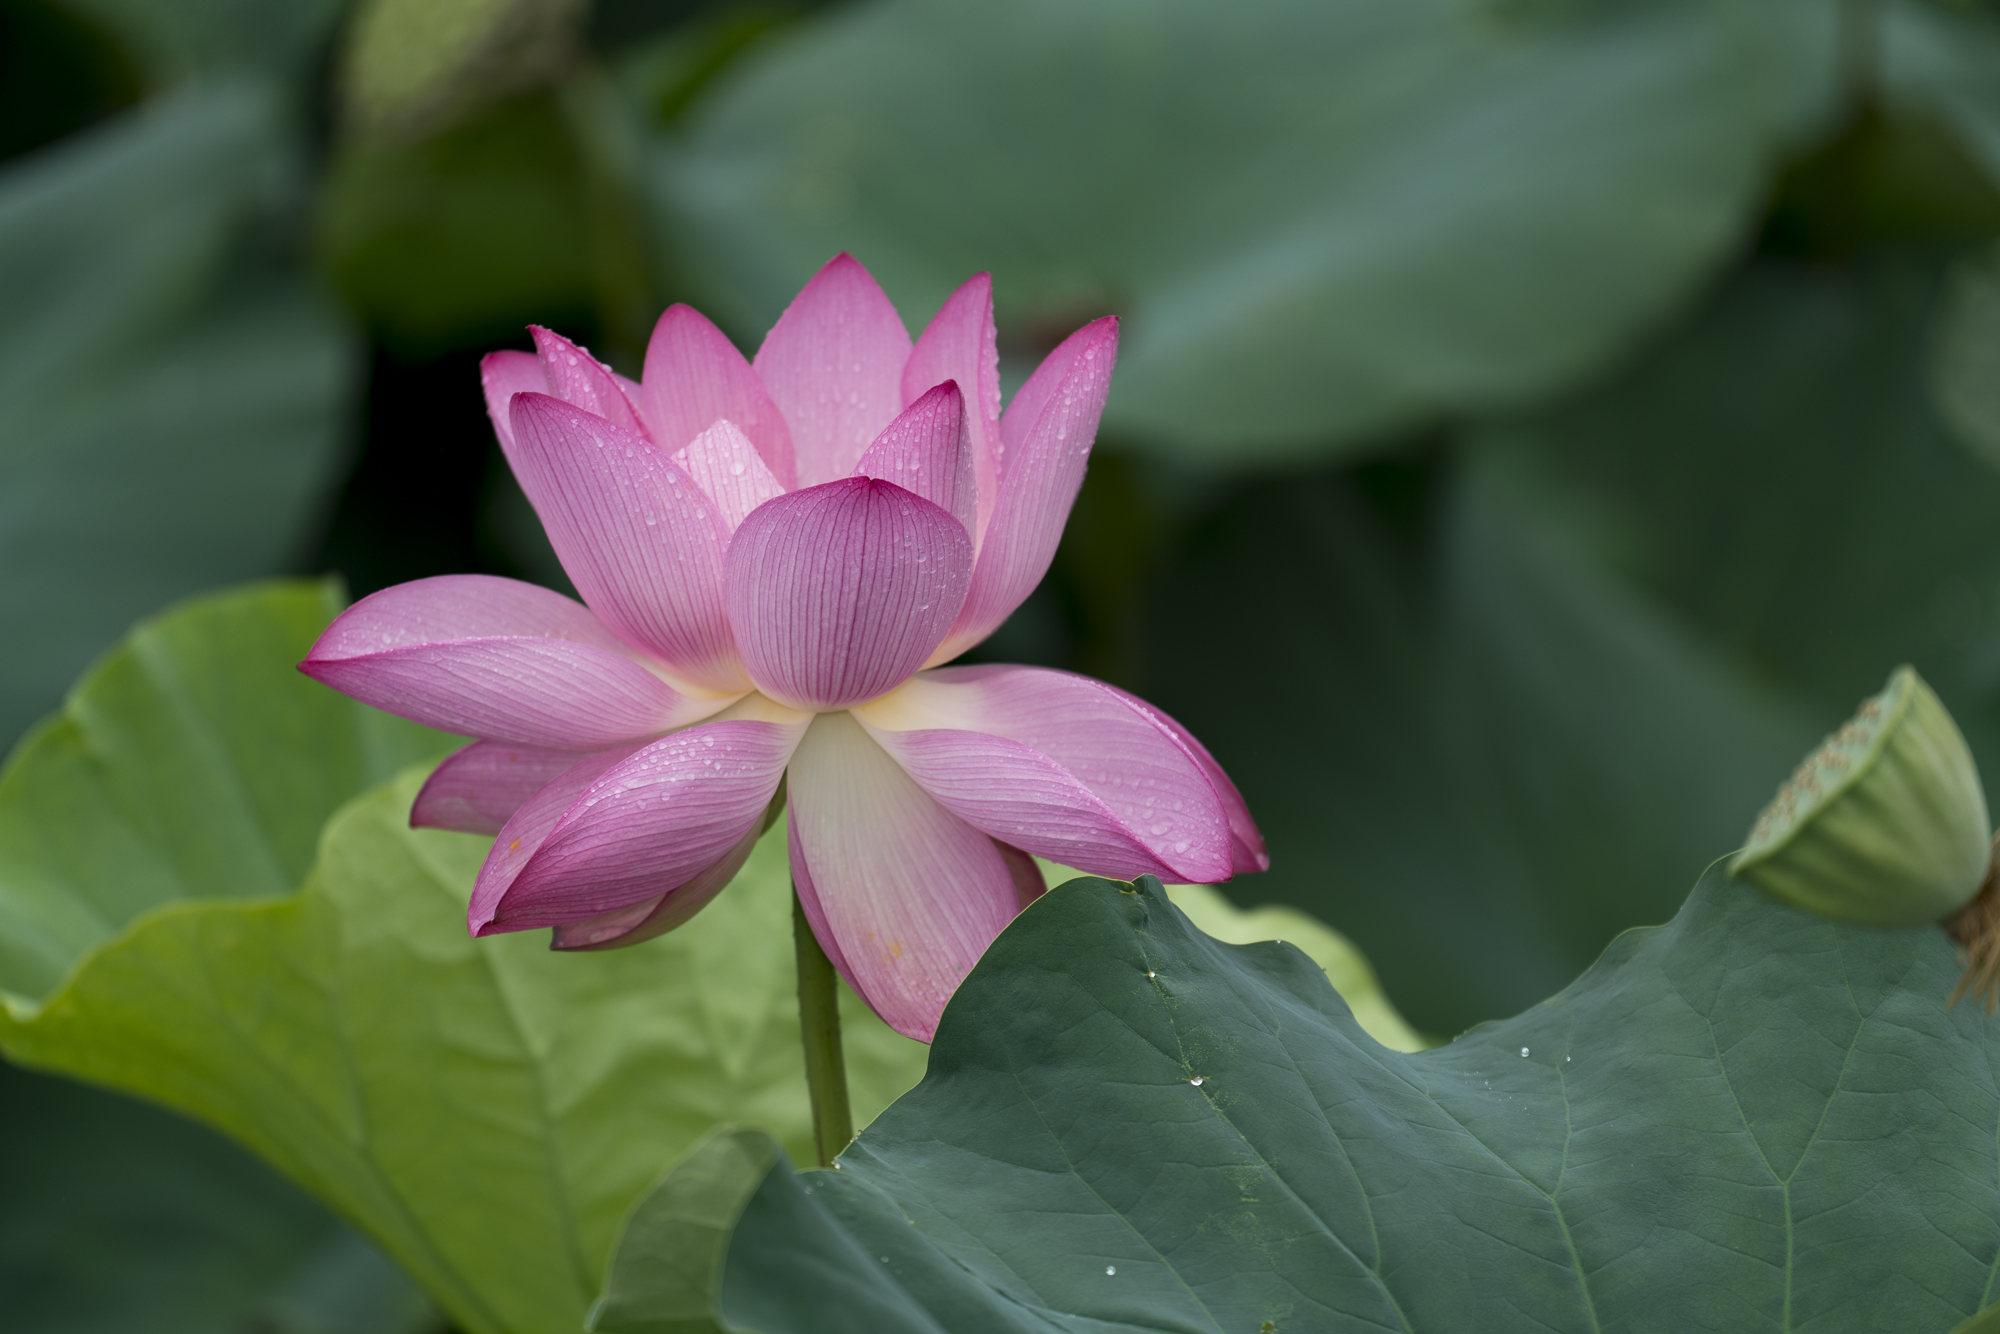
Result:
x=903 y=895
x=838 y=592
x=834 y=365
x=649 y=823
x=500 y=660
x=503 y=375
x=726 y=465
x=1048 y=430
x=577 y=377
x=1061 y=765
x=961 y=344
x=641 y=541
x=655 y=917
x=696 y=377
x=928 y=452
x=478 y=789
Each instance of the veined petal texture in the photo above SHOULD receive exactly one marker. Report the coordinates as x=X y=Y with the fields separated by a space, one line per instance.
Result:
x=904 y=895
x=642 y=542
x=528 y=827
x=577 y=377
x=497 y=659
x=1246 y=841
x=656 y=916
x=1047 y=433
x=962 y=344
x=1060 y=765
x=834 y=366
x=838 y=592
x=695 y=377
x=478 y=789
x=503 y=375
x=928 y=452
x=649 y=823
x=726 y=465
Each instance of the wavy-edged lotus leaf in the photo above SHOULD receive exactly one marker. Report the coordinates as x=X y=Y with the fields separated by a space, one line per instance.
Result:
x=1322 y=221
x=193 y=761
x=1749 y=1118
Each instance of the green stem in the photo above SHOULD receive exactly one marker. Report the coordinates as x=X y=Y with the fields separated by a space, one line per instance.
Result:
x=819 y=1028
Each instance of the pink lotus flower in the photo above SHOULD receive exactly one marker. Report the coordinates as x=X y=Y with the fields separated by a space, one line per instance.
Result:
x=772 y=555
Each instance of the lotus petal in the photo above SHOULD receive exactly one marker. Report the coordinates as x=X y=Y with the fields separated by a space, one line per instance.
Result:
x=1061 y=765
x=962 y=344
x=652 y=822
x=904 y=895
x=726 y=465
x=834 y=366
x=478 y=789
x=642 y=542
x=1047 y=433
x=577 y=377
x=928 y=452
x=840 y=591
x=695 y=377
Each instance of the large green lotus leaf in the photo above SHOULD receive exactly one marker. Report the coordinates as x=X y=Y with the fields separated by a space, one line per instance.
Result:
x=170 y=413
x=176 y=768
x=1321 y=221
x=486 y=1110
x=122 y=1217
x=192 y=762
x=1750 y=1118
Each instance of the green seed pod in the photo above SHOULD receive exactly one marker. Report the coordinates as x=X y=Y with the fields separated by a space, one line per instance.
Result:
x=1884 y=824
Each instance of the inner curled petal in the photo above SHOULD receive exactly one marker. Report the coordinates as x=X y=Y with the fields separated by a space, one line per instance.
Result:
x=837 y=593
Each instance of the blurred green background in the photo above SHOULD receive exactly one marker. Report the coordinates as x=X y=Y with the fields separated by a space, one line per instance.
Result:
x=1537 y=420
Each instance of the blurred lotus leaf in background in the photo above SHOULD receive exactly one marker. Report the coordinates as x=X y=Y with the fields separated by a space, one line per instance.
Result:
x=1321 y=222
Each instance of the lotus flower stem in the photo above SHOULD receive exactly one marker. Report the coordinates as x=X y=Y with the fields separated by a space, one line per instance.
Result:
x=819 y=1028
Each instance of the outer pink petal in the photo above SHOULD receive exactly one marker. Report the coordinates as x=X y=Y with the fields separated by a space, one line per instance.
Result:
x=1048 y=431
x=834 y=365
x=928 y=452
x=529 y=827
x=503 y=375
x=459 y=606
x=726 y=465
x=478 y=790
x=655 y=917
x=496 y=659
x=579 y=378
x=904 y=895
x=840 y=591
x=535 y=692
x=961 y=344
x=696 y=377
x=1017 y=794
x=1246 y=841
x=642 y=542
x=1061 y=765
x=652 y=822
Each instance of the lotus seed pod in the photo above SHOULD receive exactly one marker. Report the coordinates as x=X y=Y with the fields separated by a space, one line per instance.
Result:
x=1884 y=824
